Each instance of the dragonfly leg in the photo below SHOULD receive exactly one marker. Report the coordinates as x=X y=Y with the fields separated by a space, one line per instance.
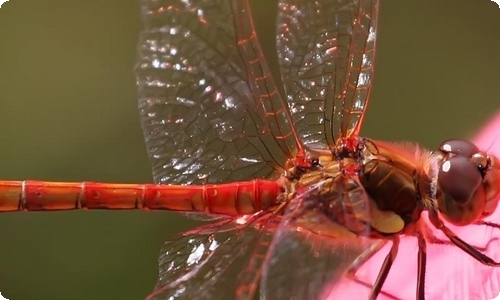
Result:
x=486 y=223
x=384 y=271
x=467 y=248
x=422 y=262
x=364 y=257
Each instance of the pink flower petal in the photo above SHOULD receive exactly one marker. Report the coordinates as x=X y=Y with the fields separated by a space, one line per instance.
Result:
x=451 y=273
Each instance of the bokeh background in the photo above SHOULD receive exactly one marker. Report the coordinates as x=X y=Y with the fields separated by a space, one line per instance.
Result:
x=68 y=113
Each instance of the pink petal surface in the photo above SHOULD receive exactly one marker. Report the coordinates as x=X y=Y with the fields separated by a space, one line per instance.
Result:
x=451 y=273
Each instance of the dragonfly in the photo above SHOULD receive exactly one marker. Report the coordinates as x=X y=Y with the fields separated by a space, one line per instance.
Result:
x=282 y=179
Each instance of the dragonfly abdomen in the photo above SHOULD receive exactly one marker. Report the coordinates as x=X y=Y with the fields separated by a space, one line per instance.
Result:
x=230 y=199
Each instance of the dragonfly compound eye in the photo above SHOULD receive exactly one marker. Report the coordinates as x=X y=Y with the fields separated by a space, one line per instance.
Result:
x=469 y=183
x=461 y=147
x=462 y=197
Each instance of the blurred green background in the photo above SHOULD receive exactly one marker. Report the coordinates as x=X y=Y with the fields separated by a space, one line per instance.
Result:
x=68 y=113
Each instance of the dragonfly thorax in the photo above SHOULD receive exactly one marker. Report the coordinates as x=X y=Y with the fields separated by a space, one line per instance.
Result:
x=373 y=191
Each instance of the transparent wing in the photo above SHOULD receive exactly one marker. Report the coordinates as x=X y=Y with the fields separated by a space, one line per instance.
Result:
x=301 y=255
x=209 y=108
x=326 y=52
x=207 y=262
x=312 y=248
x=315 y=267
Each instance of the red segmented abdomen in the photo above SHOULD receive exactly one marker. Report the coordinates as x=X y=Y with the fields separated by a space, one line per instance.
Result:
x=233 y=199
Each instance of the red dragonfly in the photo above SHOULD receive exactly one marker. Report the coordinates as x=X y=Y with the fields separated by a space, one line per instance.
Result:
x=285 y=180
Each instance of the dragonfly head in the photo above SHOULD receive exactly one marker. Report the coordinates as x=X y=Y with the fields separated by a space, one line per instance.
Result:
x=468 y=182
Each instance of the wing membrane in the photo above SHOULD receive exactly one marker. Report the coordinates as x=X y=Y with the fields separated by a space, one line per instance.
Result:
x=326 y=51
x=209 y=108
x=207 y=262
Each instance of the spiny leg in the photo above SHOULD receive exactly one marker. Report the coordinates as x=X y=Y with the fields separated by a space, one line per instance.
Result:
x=384 y=271
x=365 y=256
x=467 y=248
x=422 y=263
x=487 y=223
x=362 y=258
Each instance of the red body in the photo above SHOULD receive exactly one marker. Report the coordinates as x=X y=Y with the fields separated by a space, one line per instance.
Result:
x=229 y=199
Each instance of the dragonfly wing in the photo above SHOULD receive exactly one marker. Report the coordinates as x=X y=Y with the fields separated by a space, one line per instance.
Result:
x=209 y=107
x=207 y=262
x=326 y=52
x=315 y=267
x=311 y=252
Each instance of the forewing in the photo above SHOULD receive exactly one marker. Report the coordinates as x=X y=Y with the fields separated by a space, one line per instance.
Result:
x=209 y=108
x=326 y=52
x=207 y=262
x=311 y=250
